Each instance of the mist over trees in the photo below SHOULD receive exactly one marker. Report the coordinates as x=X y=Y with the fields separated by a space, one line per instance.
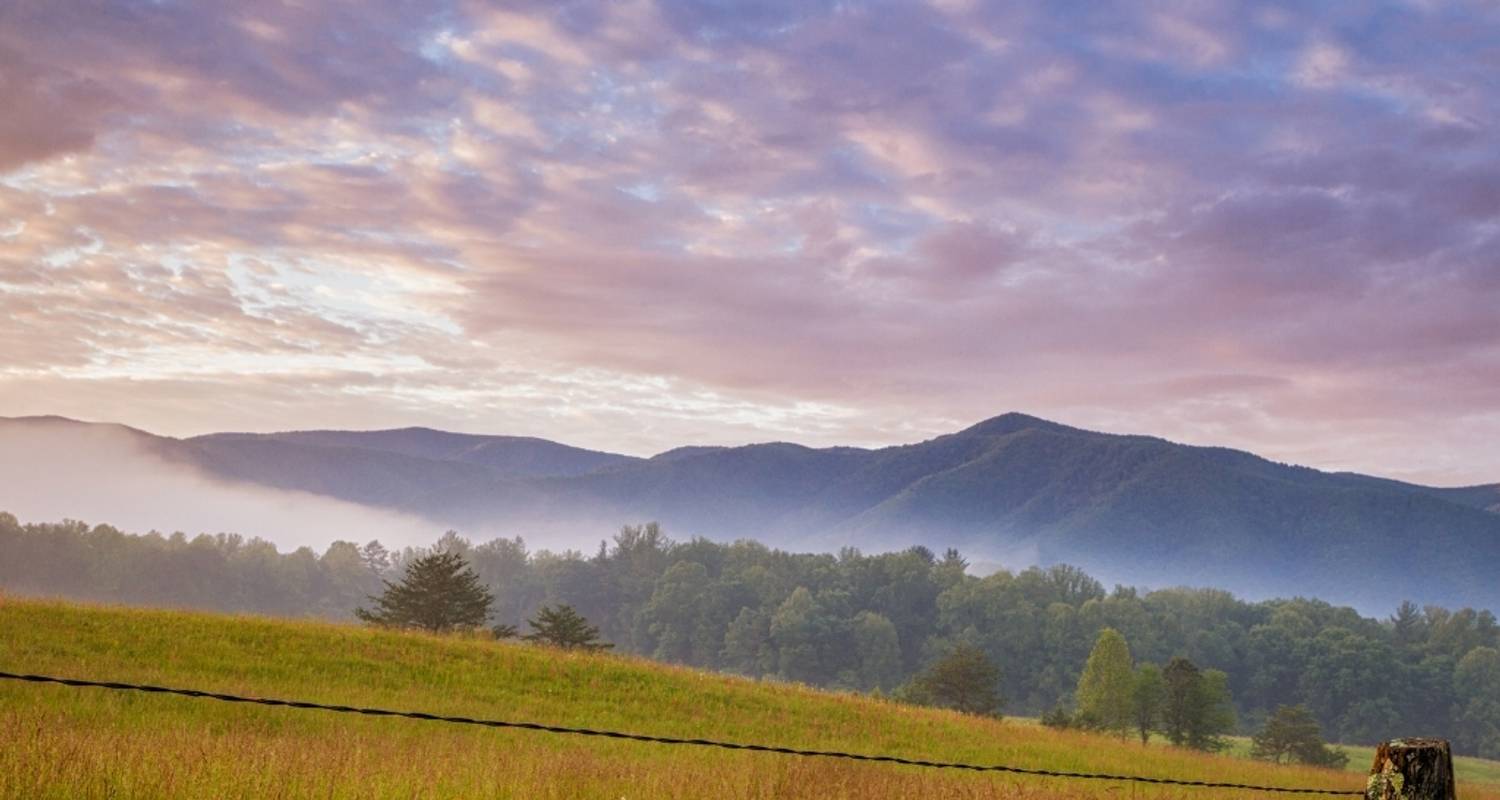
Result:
x=855 y=621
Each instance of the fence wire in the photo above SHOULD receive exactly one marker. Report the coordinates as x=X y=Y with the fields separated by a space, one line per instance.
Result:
x=670 y=740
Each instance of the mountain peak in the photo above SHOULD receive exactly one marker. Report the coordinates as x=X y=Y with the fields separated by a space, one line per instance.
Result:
x=1012 y=422
x=1013 y=487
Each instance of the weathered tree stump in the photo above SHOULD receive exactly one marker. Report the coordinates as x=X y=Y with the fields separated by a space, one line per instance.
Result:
x=1412 y=769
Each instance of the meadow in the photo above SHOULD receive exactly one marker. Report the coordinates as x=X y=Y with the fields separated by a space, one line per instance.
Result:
x=1480 y=773
x=59 y=742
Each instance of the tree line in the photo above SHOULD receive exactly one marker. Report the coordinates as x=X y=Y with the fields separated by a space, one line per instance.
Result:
x=441 y=594
x=1191 y=707
x=855 y=621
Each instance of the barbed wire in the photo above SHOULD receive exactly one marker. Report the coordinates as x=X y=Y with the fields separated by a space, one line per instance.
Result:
x=638 y=737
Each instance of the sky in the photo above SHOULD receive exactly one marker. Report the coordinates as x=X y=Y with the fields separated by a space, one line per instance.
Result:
x=635 y=225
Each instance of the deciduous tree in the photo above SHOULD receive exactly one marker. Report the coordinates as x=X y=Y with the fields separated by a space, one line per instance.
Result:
x=1197 y=710
x=964 y=680
x=1477 y=680
x=878 y=649
x=1105 y=688
x=1147 y=695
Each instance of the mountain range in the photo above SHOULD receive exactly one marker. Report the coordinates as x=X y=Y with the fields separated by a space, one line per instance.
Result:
x=1012 y=490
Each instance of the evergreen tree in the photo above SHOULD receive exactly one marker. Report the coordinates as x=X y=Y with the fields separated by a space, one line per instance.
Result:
x=563 y=627
x=1106 y=688
x=375 y=557
x=438 y=593
x=1293 y=734
x=964 y=680
x=1408 y=625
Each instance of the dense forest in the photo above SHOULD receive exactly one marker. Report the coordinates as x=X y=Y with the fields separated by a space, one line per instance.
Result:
x=846 y=620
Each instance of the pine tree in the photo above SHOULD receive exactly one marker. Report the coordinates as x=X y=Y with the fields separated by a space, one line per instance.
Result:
x=1105 y=690
x=376 y=558
x=1293 y=733
x=563 y=627
x=1408 y=625
x=438 y=593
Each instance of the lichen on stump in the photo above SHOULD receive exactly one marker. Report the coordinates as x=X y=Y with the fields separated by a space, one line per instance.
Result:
x=1412 y=769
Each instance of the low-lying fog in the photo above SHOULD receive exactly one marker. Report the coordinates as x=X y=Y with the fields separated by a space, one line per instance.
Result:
x=103 y=475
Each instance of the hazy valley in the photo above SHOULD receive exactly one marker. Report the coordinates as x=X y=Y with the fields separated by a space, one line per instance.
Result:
x=1011 y=491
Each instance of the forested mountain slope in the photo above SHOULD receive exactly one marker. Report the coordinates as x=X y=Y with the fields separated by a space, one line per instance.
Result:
x=1013 y=489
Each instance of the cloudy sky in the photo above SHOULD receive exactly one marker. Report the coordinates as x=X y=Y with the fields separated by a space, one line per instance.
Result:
x=633 y=225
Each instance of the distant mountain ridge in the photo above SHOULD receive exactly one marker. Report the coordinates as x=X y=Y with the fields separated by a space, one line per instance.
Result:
x=512 y=456
x=1013 y=489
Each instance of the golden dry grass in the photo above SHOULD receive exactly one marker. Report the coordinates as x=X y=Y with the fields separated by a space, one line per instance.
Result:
x=58 y=742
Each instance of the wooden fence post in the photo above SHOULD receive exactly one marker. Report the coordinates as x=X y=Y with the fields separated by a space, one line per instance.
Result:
x=1412 y=769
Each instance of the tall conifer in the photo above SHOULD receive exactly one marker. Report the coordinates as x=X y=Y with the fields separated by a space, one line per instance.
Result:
x=438 y=593
x=563 y=627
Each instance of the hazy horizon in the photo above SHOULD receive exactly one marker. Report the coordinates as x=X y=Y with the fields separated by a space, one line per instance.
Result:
x=731 y=443
x=727 y=443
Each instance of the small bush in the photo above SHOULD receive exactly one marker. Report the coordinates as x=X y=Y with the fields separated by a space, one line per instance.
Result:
x=1058 y=718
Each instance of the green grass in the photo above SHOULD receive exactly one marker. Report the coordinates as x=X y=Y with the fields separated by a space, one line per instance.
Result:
x=58 y=742
x=1469 y=770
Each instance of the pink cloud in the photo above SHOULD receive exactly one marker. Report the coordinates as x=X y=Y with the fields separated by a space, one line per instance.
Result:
x=659 y=222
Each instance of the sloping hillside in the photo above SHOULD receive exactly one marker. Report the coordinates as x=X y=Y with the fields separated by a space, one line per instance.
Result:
x=65 y=742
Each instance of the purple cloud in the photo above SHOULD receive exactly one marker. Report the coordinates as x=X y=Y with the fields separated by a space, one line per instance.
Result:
x=1269 y=226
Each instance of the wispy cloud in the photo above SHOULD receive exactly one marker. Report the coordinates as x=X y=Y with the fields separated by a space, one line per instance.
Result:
x=650 y=222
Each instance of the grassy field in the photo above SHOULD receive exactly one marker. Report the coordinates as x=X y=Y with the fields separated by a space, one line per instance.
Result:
x=58 y=742
x=1470 y=770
